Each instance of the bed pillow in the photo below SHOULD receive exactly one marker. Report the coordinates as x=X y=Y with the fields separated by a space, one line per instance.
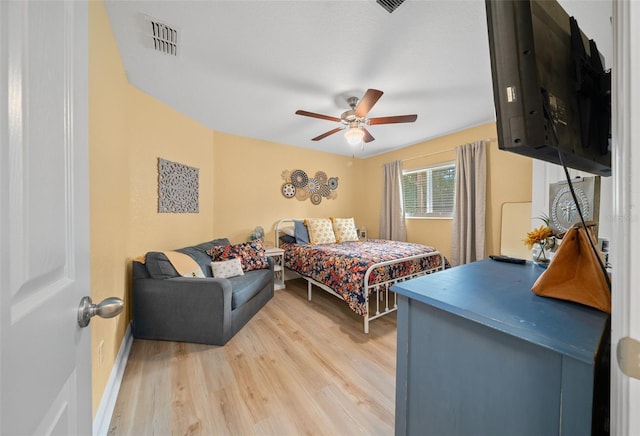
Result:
x=251 y=254
x=227 y=268
x=320 y=231
x=288 y=230
x=300 y=232
x=287 y=239
x=344 y=229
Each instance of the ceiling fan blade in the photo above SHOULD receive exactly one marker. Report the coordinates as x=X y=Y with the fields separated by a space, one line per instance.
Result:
x=314 y=115
x=366 y=103
x=367 y=136
x=393 y=120
x=324 y=135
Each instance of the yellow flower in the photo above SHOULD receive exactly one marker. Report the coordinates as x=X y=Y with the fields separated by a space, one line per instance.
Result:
x=538 y=235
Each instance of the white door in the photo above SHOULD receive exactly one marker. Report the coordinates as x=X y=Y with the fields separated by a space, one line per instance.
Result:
x=45 y=373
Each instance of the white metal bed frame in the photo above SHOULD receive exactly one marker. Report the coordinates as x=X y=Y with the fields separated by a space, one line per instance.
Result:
x=380 y=290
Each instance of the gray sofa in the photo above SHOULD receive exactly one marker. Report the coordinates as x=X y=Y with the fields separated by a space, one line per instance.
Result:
x=202 y=310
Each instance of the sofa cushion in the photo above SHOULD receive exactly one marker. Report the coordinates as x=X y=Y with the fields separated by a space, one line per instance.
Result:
x=159 y=266
x=246 y=286
x=199 y=253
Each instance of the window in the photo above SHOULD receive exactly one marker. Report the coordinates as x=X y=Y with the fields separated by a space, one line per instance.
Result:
x=429 y=192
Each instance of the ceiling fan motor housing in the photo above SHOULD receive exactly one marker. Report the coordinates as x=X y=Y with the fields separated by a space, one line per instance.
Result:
x=356 y=117
x=349 y=117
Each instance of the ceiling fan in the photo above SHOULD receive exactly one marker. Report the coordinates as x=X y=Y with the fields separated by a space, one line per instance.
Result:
x=355 y=119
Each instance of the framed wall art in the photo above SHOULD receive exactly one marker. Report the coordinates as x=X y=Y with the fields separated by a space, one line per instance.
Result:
x=177 y=187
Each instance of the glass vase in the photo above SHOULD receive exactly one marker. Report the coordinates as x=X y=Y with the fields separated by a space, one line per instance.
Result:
x=541 y=254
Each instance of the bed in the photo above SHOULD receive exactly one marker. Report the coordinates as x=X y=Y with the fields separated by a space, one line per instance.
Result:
x=359 y=272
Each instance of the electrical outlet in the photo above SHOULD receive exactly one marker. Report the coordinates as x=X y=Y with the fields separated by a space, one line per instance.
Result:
x=100 y=353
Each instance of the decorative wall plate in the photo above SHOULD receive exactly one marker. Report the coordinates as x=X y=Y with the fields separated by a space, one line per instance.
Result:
x=299 y=178
x=321 y=177
x=316 y=198
x=288 y=190
x=313 y=185
x=302 y=194
x=324 y=190
x=299 y=185
x=563 y=213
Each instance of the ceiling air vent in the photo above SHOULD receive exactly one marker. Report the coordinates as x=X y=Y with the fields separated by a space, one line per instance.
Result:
x=390 y=5
x=164 y=38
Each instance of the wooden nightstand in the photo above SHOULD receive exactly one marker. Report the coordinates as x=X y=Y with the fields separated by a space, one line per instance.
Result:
x=278 y=269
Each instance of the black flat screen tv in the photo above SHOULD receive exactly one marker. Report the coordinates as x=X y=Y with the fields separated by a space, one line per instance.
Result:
x=551 y=92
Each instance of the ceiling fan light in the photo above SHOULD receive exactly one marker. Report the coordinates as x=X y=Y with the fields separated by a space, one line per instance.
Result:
x=354 y=135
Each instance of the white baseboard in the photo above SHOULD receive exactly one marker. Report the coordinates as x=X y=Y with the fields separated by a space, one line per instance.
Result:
x=107 y=404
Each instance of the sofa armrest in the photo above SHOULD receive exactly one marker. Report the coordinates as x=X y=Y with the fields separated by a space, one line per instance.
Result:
x=182 y=309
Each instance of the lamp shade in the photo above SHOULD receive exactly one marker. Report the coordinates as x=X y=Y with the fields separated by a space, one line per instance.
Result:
x=354 y=135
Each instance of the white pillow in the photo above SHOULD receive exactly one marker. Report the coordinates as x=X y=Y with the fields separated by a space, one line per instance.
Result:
x=227 y=268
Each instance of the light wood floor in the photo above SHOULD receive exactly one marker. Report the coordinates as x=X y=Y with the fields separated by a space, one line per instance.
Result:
x=296 y=368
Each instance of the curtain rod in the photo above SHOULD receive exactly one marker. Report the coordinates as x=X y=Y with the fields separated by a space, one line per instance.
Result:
x=428 y=154
x=444 y=151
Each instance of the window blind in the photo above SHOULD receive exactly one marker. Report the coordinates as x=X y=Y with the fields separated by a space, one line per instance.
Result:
x=429 y=192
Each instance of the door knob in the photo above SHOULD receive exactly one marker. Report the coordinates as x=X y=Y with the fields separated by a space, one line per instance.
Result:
x=628 y=353
x=107 y=308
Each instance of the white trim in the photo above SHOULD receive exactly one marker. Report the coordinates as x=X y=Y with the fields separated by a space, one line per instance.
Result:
x=434 y=166
x=625 y=392
x=107 y=404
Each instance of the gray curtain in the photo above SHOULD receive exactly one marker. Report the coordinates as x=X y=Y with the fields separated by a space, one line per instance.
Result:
x=392 y=225
x=467 y=242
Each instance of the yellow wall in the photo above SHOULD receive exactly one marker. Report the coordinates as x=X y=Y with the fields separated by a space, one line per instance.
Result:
x=155 y=131
x=239 y=185
x=248 y=178
x=109 y=190
x=128 y=132
x=509 y=179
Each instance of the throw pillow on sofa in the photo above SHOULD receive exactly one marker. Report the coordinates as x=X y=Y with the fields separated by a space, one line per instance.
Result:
x=224 y=269
x=251 y=254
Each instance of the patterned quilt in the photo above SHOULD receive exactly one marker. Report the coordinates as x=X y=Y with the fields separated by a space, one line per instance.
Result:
x=342 y=266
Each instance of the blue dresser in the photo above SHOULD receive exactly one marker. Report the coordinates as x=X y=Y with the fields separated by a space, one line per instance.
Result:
x=480 y=354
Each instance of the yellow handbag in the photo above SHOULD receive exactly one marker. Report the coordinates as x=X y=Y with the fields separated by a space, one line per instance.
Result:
x=575 y=273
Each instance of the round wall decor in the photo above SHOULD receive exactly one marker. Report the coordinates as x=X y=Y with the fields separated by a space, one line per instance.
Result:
x=288 y=190
x=299 y=185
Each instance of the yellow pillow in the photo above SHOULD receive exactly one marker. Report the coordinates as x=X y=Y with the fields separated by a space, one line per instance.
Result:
x=320 y=230
x=344 y=229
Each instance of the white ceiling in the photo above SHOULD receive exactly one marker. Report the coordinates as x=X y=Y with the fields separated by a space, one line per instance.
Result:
x=245 y=67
